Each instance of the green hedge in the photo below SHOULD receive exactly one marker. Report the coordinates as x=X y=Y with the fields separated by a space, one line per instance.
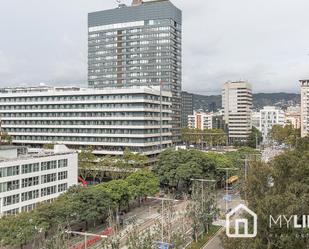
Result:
x=204 y=238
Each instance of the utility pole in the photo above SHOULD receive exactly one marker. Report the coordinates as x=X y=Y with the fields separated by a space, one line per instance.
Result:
x=162 y=215
x=226 y=185
x=202 y=181
x=247 y=165
x=256 y=141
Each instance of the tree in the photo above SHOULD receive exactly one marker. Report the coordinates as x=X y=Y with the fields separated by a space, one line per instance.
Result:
x=17 y=231
x=255 y=138
x=280 y=187
x=142 y=239
x=134 y=159
x=91 y=204
x=118 y=191
x=200 y=137
x=48 y=146
x=284 y=134
x=202 y=209
x=5 y=138
x=142 y=183
x=176 y=168
x=86 y=162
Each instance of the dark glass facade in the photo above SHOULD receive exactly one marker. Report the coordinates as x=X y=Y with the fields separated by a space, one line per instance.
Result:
x=137 y=45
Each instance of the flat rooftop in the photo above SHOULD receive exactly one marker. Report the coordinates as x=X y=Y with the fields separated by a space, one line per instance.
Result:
x=10 y=153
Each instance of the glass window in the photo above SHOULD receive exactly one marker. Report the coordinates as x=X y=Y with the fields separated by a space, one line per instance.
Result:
x=62 y=187
x=10 y=200
x=48 y=165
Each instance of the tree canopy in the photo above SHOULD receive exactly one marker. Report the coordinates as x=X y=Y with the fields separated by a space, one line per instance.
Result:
x=284 y=134
x=79 y=205
x=280 y=187
x=175 y=169
x=208 y=137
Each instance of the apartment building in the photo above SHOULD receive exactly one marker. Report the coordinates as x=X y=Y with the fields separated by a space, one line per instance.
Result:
x=109 y=119
x=200 y=120
x=304 y=107
x=270 y=116
x=237 y=104
x=293 y=116
x=256 y=119
x=29 y=177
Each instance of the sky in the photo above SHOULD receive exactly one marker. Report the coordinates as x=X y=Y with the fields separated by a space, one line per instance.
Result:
x=263 y=41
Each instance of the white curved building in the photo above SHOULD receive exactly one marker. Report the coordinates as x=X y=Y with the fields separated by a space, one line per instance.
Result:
x=109 y=119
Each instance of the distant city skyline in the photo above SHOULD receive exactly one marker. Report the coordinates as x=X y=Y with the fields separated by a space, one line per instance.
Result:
x=259 y=41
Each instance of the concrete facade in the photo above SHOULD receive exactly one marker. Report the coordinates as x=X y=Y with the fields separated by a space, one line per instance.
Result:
x=304 y=107
x=237 y=105
x=109 y=119
x=34 y=176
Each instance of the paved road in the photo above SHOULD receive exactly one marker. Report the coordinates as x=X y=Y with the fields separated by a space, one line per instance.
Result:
x=215 y=243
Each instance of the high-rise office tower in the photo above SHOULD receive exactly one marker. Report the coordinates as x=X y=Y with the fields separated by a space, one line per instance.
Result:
x=186 y=107
x=237 y=104
x=137 y=45
x=304 y=107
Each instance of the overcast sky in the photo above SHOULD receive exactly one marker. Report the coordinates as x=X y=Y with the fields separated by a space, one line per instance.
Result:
x=263 y=41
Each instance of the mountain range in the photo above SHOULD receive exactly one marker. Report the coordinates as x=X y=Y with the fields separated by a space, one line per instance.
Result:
x=214 y=102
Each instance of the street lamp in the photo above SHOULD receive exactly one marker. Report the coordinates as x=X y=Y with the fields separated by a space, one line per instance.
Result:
x=202 y=182
x=162 y=213
x=226 y=185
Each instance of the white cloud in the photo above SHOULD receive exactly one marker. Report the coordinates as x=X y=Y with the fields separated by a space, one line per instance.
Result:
x=263 y=41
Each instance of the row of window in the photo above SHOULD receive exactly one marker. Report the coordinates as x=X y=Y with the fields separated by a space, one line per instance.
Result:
x=78 y=98
x=135 y=74
x=147 y=51
x=80 y=106
x=32 y=167
x=95 y=50
x=77 y=130
x=128 y=70
x=143 y=123
x=95 y=139
x=32 y=181
x=117 y=115
x=103 y=81
x=129 y=37
x=34 y=194
x=125 y=25
x=143 y=30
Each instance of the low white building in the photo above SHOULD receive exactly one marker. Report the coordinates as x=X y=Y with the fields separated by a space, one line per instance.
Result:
x=256 y=119
x=109 y=119
x=28 y=177
x=270 y=116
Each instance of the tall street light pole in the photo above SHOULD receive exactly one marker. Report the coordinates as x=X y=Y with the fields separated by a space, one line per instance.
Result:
x=162 y=213
x=202 y=182
x=226 y=185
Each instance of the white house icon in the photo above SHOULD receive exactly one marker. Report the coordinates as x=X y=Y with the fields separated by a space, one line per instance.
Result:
x=241 y=222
